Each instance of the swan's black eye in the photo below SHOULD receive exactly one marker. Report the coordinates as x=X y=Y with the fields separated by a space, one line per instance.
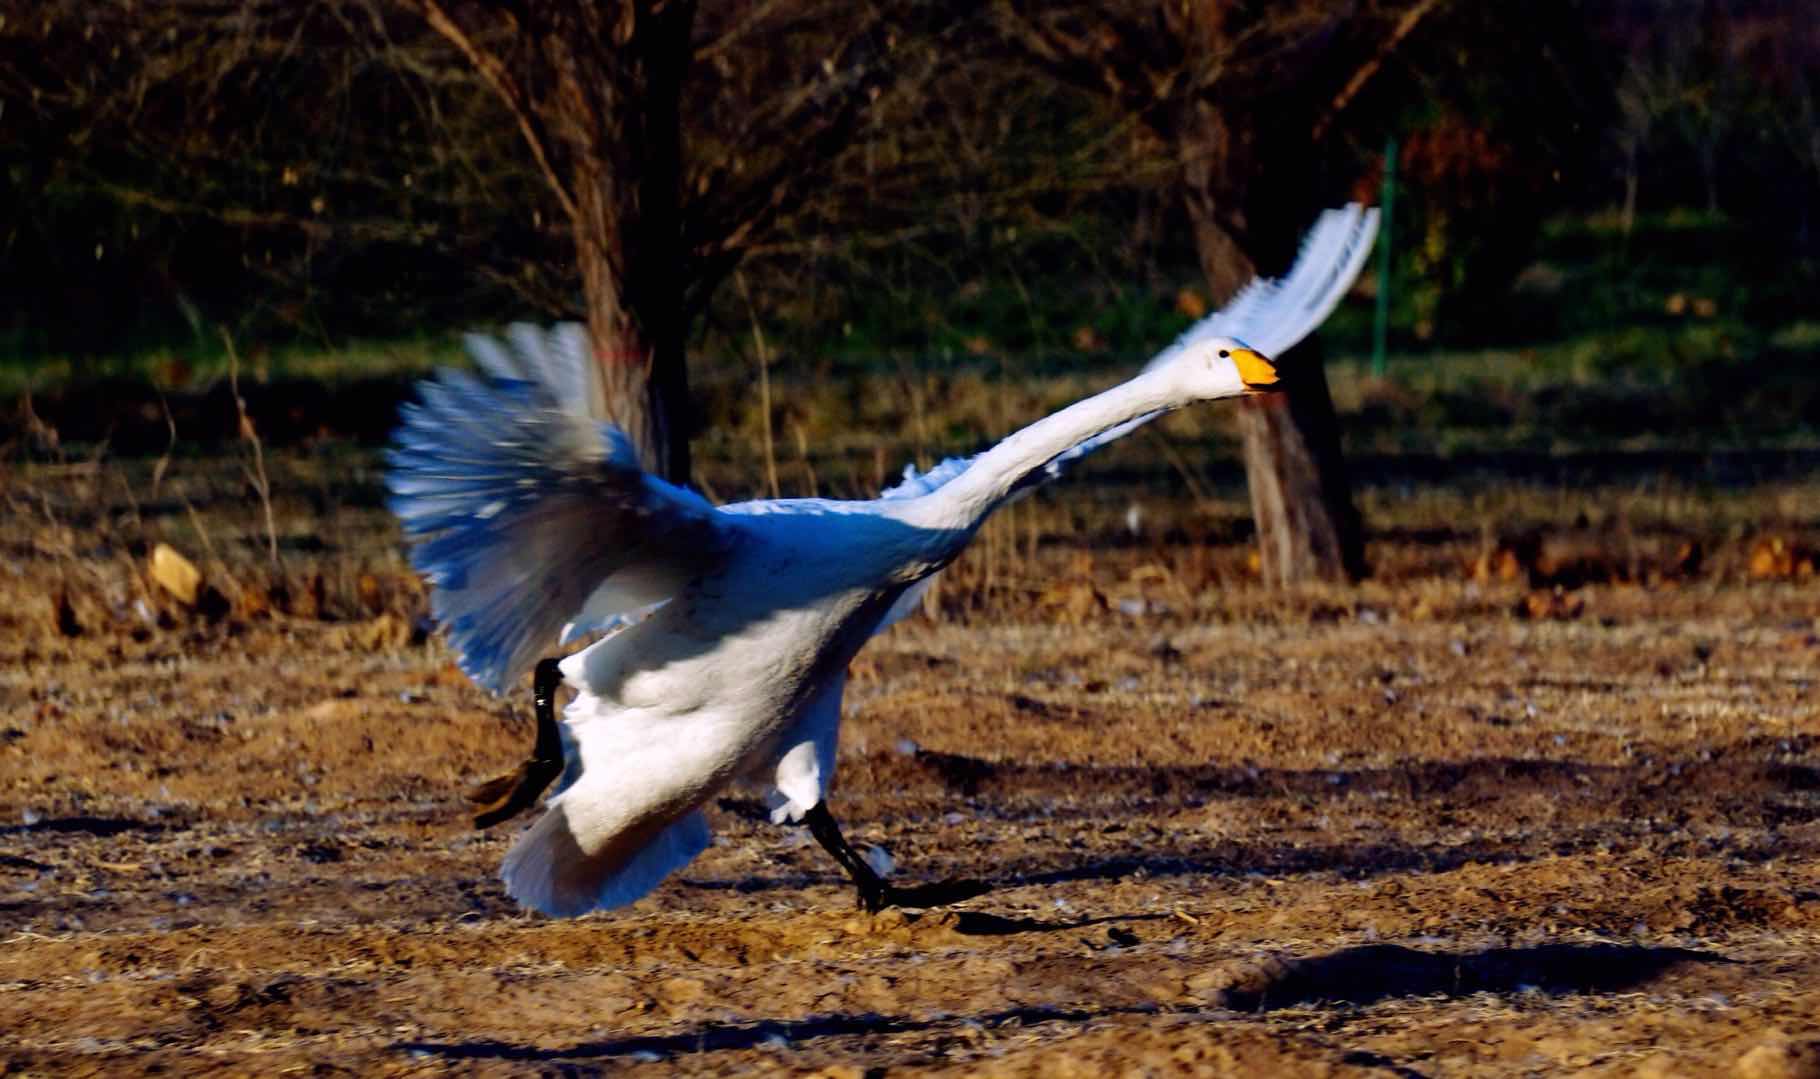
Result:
x=1225 y=355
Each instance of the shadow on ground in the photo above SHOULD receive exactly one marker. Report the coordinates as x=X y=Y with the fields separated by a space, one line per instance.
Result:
x=1350 y=977
x=102 y=827
x=1365 y=975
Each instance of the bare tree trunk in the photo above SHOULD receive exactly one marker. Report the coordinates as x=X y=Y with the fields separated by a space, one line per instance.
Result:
x=1301 y=499
x=625 y=157
x=629 y=394
x=1209 y=159
x=1627 y=215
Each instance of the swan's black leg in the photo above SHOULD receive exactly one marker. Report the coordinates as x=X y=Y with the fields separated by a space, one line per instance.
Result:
x=874 y=894
x=505 y=797
x=827 y=833
x=544 y=683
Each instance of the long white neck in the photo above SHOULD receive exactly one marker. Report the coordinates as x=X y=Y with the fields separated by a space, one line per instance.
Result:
x=966 y=499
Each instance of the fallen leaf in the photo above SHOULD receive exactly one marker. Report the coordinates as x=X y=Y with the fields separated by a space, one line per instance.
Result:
x=176 y=574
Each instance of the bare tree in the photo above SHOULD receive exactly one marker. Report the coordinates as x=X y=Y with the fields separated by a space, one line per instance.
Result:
x=171 y=152
x=1674 y=77
x=1638 y=110
x=1796 y=121
x=656 y=142
x=673 y=140
x=1218 y=85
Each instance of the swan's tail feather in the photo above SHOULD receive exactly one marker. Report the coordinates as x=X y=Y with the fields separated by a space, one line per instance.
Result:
x=548 y=869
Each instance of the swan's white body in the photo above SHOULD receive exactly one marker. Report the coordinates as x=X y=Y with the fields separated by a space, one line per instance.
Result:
x=730 y=628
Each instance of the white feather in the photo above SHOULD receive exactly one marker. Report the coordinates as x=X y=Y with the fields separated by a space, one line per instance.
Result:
x=1273 y=316
x=549 y=870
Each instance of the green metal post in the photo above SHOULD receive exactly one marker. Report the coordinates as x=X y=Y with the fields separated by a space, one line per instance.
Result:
x=1381 y=330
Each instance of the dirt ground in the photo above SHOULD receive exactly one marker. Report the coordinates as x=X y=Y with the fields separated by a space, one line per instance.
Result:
x=1434 y=825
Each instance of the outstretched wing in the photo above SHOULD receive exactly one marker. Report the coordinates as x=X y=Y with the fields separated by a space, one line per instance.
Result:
x=522 y=510
x=1271 y=316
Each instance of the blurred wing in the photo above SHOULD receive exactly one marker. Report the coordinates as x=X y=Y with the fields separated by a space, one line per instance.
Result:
x=558 y=360
x=525 y=514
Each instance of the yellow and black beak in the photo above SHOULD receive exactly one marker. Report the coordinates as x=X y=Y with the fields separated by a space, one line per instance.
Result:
x=1258 y=373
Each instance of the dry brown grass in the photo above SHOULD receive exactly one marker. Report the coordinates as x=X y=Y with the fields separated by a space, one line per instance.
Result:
x=1396 y=828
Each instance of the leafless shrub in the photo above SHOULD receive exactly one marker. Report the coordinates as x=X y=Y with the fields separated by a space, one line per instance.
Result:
x=249 y=434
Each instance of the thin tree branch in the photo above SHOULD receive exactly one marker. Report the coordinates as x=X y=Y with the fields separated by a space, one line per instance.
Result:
x=379 y=228
x=1403 y=28
x=493 y=70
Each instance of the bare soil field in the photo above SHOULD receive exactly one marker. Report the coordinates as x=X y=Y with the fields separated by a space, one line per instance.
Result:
x=1498 y=811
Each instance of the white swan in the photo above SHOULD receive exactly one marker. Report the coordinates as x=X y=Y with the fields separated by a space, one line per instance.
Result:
x=732 y=626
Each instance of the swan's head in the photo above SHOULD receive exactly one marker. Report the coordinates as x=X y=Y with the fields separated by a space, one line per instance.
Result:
x=1222 y=367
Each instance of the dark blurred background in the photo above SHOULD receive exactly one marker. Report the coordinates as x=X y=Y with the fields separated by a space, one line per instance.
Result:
x=1602 y=191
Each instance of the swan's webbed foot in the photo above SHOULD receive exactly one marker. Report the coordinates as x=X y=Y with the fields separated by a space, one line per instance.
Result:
x=506 y=796
x=874 y=894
